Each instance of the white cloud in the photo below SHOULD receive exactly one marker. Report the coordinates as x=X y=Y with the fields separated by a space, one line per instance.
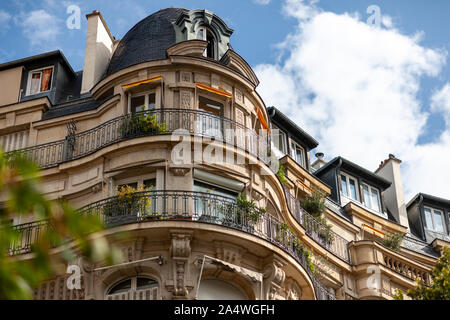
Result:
x=262 y=2
x=40 y=28
x=354 y=88
x=387 y=21
x=440 y=102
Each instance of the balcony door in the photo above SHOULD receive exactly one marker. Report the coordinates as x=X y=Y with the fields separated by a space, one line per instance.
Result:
x=209 y=120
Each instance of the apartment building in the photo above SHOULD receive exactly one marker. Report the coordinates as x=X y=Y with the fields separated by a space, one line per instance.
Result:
x=172 y=110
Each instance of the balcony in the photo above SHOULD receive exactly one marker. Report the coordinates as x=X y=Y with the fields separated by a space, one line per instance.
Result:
x=148 y=123
x=317 y=231
x=369 y=256
x=200 y=207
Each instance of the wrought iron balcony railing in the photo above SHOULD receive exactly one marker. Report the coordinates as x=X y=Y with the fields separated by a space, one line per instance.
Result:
x=148 y=123
x=186 y=206
x=327 y=238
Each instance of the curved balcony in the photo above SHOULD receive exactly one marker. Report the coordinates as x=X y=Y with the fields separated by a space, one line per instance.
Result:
x=148 y=123
x=189 y=207
x=326 y=238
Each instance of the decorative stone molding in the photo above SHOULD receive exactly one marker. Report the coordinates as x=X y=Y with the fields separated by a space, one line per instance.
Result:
x=228 y=252
x=292 y=289
x=190 y=48
x=180 y=171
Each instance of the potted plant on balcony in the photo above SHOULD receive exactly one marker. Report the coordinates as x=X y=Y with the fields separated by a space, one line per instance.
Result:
x=392 y=241
x=247 y=213
x=141 y=123
x=128 y=205
x=314 y=204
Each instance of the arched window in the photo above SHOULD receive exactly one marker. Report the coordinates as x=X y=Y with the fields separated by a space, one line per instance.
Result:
x=206 y=35
x=136 y=288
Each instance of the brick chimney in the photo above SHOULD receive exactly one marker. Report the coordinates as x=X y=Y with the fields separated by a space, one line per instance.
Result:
x=394 y=197
x=98 y=52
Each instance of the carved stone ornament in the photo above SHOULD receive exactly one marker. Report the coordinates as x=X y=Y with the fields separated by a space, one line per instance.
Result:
x=180 y=251
x=180 y=171
x=274 y=277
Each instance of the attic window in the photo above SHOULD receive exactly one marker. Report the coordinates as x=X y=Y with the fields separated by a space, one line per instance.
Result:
x=433 y=219
x=206 y=35
x=39 y=80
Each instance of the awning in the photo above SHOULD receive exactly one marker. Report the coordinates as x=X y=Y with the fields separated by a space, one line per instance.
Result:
x=214 y=179
x=253 y=275
x=367 y=227
x=261 y=119
x=216 y=91
x=137 y=83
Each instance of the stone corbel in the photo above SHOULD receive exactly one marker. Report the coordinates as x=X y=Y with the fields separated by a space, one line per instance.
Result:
x=180 y=251
x=179 y=171
x=274 y=277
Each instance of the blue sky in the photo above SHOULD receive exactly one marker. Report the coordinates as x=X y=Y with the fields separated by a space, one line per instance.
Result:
x=33 y=27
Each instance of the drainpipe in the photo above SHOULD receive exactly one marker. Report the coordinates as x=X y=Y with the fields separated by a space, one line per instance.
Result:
x=338 y=168
x=421 y=213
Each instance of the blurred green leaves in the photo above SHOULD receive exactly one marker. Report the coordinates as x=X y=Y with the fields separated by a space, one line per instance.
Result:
x=64 y=234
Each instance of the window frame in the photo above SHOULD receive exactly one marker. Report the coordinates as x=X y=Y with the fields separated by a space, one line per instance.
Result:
x=135 y=179
x=30 y=73
x=146 y=94
x=133 y=286
x=284 y=138
x=370 y=204
x=204 y=37
x=347 y=178
x=294 y=145
x=433 y=227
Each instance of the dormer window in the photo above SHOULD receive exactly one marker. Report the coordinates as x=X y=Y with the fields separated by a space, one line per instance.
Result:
x=349 y=186
x=434 y=219
x=206 y=35
x=297 y=153
x=39 y=80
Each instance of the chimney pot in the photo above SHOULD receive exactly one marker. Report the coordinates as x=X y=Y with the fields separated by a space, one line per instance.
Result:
x=319 y=155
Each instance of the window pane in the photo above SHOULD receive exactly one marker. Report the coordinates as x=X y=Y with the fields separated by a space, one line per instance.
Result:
x=210 y=106
x=35 y=83
x=46 y=79
x=344 y=186
x=438 y=225
x=150 y=183
x=137 y=104
x=282 y=142
x=145 y=283
x=210 y=48
x=151 y=101
x=366 y=193
x=375 y=200
x=353 y=189
x=299 y=155
x=121 y=287
x=428 y=219
x=132 y=185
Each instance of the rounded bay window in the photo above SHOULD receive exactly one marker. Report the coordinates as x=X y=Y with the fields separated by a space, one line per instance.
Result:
x=136 y=288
